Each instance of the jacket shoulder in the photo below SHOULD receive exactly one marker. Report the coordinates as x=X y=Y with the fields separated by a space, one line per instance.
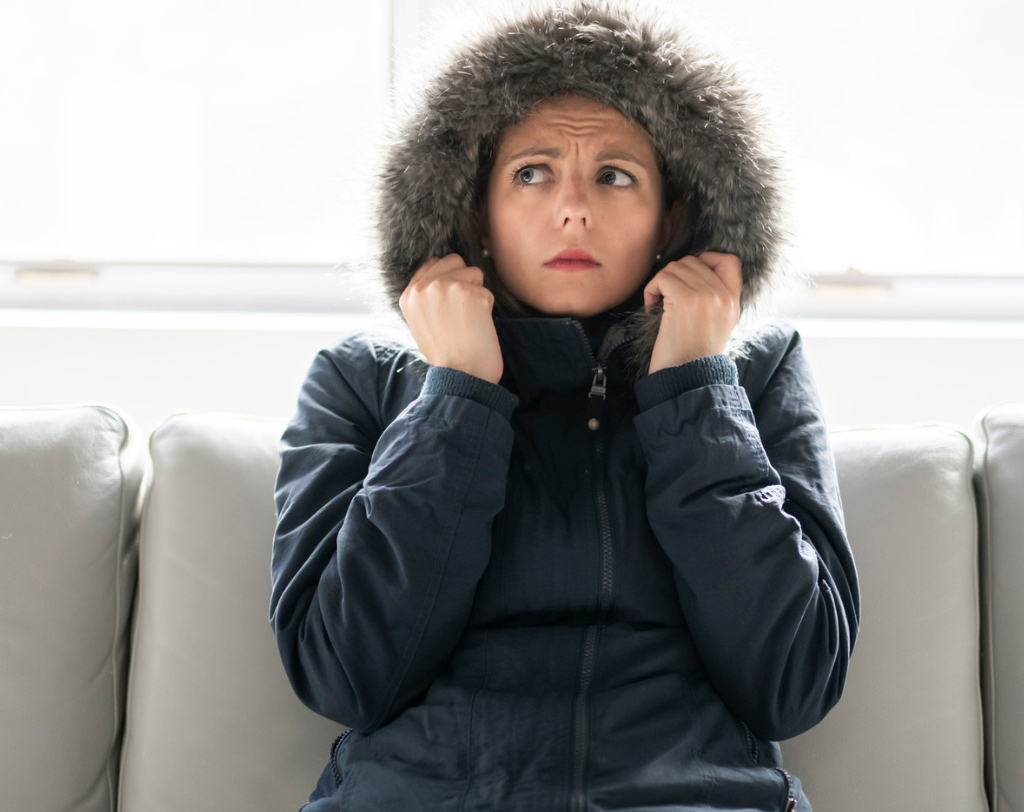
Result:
x=362 y=378
x=363 y=354
x=772 y=355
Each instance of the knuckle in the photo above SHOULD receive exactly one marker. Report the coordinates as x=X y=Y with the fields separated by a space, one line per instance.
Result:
x=405 y=299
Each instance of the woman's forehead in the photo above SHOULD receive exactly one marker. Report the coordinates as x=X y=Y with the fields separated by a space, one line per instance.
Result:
x=568 y=119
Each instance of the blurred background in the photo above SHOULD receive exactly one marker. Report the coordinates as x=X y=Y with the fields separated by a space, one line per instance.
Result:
x=186 y=191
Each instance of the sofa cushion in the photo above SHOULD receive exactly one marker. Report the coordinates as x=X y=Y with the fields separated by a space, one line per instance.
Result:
x=69 y=490
x=213 y=723
x=907 y=733
x=1001 y=492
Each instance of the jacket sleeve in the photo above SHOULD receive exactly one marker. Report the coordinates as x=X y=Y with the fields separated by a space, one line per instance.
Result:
x=383 y=529
x=742 y=495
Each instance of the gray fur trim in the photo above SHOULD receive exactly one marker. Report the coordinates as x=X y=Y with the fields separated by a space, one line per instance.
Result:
x=702 y=121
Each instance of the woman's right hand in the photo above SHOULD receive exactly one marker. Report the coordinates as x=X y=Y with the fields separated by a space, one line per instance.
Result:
x=449 y=312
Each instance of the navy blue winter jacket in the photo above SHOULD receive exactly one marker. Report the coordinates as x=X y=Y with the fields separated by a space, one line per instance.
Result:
x=570 y=591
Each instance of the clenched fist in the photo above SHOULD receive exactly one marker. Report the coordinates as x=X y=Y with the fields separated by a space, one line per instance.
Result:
x=700 y=299
x=449 y=312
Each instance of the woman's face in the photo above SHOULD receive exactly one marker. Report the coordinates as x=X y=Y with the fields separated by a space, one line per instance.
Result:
x=575 y=213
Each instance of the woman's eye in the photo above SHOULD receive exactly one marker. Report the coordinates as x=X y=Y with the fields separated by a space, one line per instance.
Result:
x=616 y=177
x=528 y=175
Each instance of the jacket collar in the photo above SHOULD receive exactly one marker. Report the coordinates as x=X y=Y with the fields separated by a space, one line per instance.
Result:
x=556 y=353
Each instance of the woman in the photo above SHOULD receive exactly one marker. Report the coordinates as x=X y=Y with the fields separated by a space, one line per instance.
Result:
x=578 y=549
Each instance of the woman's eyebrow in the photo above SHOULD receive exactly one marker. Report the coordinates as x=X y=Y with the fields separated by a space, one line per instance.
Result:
x=613 y=154
x=535 y=151
x=620 y=155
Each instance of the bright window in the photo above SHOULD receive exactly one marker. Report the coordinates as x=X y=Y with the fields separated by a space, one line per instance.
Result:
x=189 y=130
x=221 y=133
x=902 y=120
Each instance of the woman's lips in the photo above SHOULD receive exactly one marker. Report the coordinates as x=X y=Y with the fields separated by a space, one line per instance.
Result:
x=572 y=259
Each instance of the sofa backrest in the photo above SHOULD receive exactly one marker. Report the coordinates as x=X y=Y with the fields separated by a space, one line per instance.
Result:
x=69 y=489
x=212 y=721
x=907 y=733
x=1001 y=496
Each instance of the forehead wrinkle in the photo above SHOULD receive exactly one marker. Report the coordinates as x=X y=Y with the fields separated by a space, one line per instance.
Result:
x=547 y=130
x=607 y=152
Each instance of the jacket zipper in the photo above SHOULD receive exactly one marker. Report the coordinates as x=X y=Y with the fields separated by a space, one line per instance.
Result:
x=596 y=398
x=581 y=707
x=790 y=797
x=334 y=755
x=598 y=391
x=752 y=748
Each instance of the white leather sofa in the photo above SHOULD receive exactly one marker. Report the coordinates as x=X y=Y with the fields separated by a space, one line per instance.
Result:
x=138 y=672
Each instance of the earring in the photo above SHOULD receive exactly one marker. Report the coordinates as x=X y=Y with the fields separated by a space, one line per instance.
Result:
x=657 y=257
x=487 y=254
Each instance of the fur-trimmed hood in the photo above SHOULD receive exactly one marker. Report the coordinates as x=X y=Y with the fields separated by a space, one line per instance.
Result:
x=701 y=119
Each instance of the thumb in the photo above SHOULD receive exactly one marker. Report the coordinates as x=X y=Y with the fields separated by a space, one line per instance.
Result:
x=652 y=291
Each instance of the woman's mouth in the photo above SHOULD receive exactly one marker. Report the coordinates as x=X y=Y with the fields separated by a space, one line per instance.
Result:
x=572 y=259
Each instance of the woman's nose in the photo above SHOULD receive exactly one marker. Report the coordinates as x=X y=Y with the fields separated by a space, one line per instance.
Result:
x=574 y=203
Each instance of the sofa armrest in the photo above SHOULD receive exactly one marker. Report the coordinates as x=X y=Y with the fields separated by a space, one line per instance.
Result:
x=70 y=480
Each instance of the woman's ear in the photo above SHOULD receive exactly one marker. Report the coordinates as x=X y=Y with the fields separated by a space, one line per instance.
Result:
x=670 y=224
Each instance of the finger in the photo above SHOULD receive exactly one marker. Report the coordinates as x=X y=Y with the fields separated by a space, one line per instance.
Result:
x=425 y=277
x=464 y=274
x=688 y=272
x=459 y=288
x=726 y=267
x=438 y=276
x=663 y=281
x=437 y=266
x=652 y=290
x=706 y=269
x=424 y=269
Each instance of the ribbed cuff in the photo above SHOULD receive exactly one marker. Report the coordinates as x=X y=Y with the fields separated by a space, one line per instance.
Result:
x=448 y=381
x=666 y=384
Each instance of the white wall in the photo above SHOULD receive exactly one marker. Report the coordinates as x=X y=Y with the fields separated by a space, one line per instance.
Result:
x=150 y=365
x=908 y=372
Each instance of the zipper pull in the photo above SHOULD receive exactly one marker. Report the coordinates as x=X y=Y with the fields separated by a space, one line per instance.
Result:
x=596 y=398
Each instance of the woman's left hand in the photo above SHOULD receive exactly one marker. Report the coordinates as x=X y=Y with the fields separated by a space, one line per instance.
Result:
x=700 y=299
